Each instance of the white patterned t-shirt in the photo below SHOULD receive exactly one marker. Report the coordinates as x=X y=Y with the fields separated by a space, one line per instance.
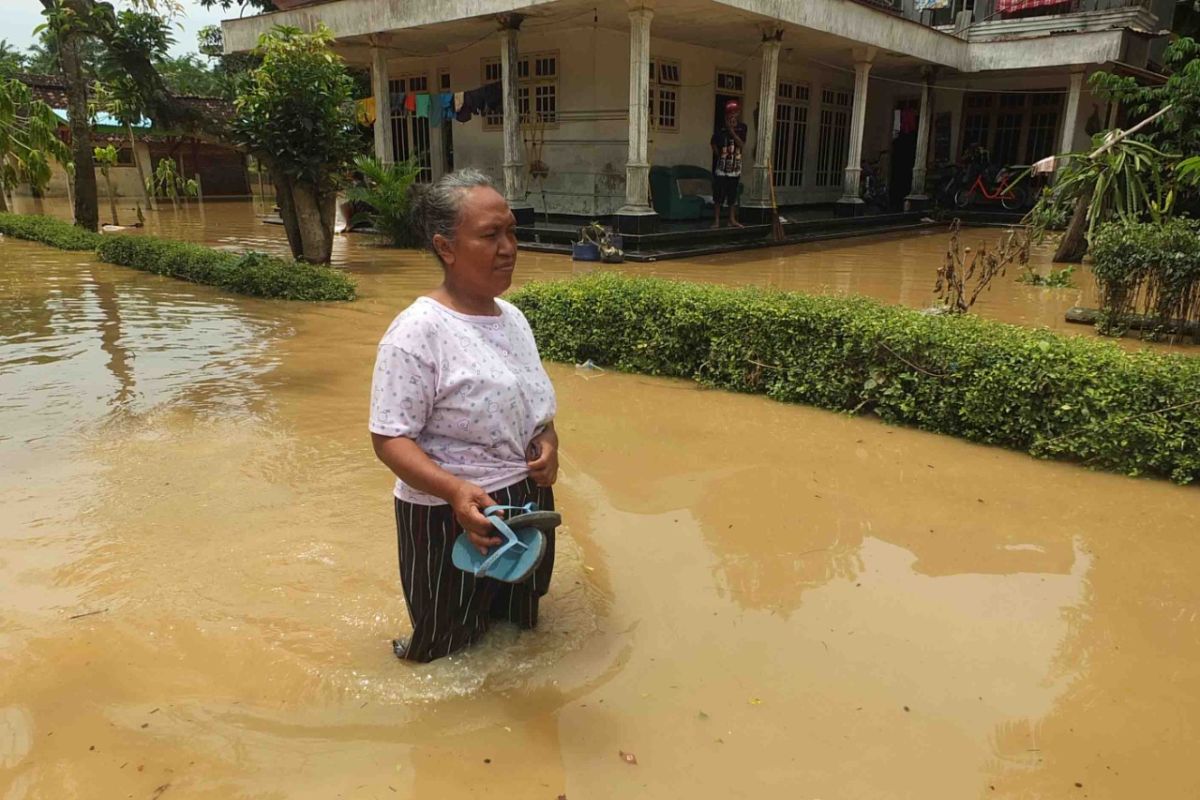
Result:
x=469 y=390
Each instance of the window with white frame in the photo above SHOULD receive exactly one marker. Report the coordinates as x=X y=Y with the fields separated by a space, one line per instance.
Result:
x=665 y=81
x=834 y=141
x=791 y=133
x=537 y=88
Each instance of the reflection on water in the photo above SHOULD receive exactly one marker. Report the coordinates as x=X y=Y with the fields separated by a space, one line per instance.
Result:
x=748 y=595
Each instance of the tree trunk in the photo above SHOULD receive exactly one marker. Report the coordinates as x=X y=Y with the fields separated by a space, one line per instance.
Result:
x=87 y=208
x=3 y=201
x=287 y=210
x=314 y=218
x=141 y=173
x=112 y=199
x=1073 y=244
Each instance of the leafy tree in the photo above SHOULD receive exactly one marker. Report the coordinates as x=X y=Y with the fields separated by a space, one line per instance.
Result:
x=189 y=75
x=295 y=114
x=229 y=69
x=106 y=159
x=28 y=139
x=261 y=5
x=11 y=60
x=1178 y=130
x=127 y=45
x=1135 y=178
x=122 y=102
x=167 y=180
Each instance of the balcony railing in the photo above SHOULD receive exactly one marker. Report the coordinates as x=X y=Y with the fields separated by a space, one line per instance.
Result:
x=984 y=11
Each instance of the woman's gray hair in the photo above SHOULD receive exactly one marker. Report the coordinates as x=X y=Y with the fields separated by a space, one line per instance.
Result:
x=436 y=207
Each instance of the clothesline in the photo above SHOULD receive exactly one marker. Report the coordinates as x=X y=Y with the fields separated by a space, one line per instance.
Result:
x=438 y=107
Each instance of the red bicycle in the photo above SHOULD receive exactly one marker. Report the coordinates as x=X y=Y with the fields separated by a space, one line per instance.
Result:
x=1011 y=194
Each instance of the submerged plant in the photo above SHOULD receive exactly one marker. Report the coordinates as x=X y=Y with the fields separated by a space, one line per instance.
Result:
x=960 y=281
x=106 y=159
x=388 y=191
x=1055 y=279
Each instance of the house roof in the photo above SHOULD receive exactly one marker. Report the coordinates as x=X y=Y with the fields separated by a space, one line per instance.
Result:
x=52 y=90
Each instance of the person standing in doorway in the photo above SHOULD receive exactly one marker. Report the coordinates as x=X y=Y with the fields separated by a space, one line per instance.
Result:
x=728 y=141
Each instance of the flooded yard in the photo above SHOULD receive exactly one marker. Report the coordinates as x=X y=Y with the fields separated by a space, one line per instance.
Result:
x=198 y=562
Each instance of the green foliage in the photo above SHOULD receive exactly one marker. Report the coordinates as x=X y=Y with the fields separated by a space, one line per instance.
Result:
x=1032 y=390
x=189 y=75
x=166 y=180
x=106 y=158
x=48 y=230
x=252 y=273
x=388 y=190
x=261 y=5
x=1127 y=181
x=12 y=60
x=296 y=109
x=28 y=137
x=1054 y=279
x=1178 y=131
x=1153 y=269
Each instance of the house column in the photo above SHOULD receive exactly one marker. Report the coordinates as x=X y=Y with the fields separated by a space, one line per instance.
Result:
x=917 y=200
x=758 y=207
x=383 y=106
x=1070 y=116
x=851 y=204
x=636 y=216
x=514 y=165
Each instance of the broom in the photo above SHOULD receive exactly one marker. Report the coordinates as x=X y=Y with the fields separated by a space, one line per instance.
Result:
x=777 y=232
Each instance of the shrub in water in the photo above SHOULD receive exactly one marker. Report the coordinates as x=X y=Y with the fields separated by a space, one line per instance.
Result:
x=252 y=274
x=1149 y=267
x=48 y=230
x=1032 y=390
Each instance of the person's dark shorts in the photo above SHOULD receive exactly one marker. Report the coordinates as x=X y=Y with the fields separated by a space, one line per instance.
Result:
x=725 y=190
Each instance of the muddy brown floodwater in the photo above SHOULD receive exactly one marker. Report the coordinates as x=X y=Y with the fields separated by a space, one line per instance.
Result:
x=757 y=600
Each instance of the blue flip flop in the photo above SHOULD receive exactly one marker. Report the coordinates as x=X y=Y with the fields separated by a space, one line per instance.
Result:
x=515 y=559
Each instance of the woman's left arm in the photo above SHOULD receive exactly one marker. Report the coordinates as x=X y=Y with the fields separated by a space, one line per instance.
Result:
x=543 y=468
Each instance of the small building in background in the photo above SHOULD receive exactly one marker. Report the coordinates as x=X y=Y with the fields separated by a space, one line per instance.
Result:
x=220 y=168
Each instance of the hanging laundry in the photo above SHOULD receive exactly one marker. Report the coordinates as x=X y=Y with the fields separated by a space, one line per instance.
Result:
x=447 y=101
x=458 y=101
x=410 y=103
x=422 y=106
x=493 y=99
x=364 y=111
x=908 y=120
x=471 y=104
x=396 y=101
x=930 y=5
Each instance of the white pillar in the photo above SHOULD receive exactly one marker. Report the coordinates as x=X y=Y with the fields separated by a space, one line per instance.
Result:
x=850 y=194
x=768 y=85
x=637 y=215
x=916 y=194
x=1070 y=121
x=514 y=166
x=383 y=105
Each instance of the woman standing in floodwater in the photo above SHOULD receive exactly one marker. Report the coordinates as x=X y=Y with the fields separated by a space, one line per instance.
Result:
x=462 y=411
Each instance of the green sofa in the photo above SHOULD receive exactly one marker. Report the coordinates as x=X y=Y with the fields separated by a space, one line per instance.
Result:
x=682 y=192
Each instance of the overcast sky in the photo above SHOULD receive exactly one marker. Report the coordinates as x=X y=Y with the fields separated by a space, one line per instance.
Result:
x=20 y=17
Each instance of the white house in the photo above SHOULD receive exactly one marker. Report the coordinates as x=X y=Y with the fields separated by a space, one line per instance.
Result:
x=608 y=88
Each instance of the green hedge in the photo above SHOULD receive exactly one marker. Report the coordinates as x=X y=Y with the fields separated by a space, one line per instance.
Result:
x=1032 y=390
x=1152 y=268
x=252 y=274
x=48 y=230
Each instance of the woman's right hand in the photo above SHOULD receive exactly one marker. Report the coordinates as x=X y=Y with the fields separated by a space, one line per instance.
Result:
x=468 y=502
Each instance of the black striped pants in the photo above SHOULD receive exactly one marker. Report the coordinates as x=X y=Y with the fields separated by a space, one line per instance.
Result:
x=449 y=608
